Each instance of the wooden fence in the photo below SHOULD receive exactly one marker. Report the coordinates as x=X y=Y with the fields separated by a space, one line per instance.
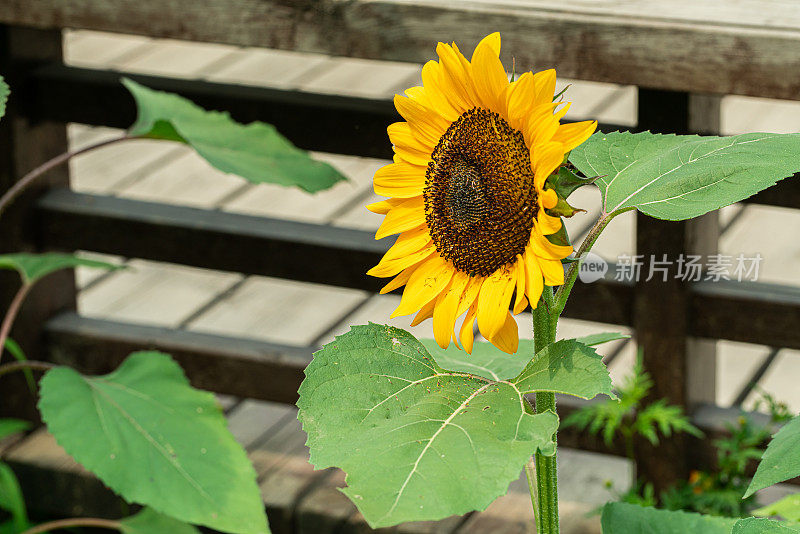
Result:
x=674 y=53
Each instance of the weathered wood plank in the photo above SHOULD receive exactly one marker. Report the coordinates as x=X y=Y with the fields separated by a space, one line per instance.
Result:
x=222 y=364
x=325 y=509
x=674 y=45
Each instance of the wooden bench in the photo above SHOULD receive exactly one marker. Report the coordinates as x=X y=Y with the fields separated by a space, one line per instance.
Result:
x=683 y=58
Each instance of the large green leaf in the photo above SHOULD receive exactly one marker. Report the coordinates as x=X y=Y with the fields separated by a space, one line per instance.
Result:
x=256 y=151
x=148 y=521
x=624 y=518
x=490 y=362
x=32 y=267
x=4 y=92
x=419 y=442
x=788 y=508
x=11 y=499
x=781 y=460
x=156 y=441
x=752 y=525
x=678 y=177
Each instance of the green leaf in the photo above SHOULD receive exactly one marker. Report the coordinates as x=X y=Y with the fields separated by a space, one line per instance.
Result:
x=417 y=442
x=256 y=151
x=18 y=354
x=4 y=92
x=678 y=177
x=32 y=267
x=781 y=460
x=148 y=521
x=490 y=362
x=569 y=367
x=598 y=339
x=486 y=360
x=11 y=499
x=623 y=518
x=9 y=427
x=752 y=525
x=788 y=508
x=156 y=441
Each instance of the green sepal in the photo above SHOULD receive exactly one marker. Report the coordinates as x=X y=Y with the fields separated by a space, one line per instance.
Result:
x=563 y=209
x=561 y=237
x=564 y=90
x=565 y=181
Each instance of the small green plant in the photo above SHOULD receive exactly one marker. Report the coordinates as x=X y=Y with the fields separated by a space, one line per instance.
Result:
x=720 y=492
x=628 y=419
x=632 y=416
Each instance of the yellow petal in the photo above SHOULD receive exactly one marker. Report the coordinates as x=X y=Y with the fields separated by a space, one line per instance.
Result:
x=538 y=124
x=400 y=180
x=409 y=242
x=405 y=216
x=438 y=92
x=521 y=95
x=519 y=302
x=455 y=75
x=543 y=248
x=546 y=158
x=548 y=224
x=399 y=280
x=428 y=280
x=494 y=300
x=507 y=339
x=381 y=207
x=420 y=117
x=534 y=282
x=392 y=267
x=573 y=134
x=444 y=316
x=470 y=295
x=403 y=136
x=412 y=156
x=553 y=271
x=467 y=332
x=563 y=111
x=549 y=198
x=425 y=313
x=488 y=75
x=545 y=86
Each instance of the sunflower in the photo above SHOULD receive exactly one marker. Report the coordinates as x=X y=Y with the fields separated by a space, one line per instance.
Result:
x=468 y=197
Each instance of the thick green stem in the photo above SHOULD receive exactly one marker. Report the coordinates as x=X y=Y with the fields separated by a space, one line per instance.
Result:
x=544 y=493
x=545 y=320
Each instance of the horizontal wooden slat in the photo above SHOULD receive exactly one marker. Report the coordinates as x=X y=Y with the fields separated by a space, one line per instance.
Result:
x=325 y=123
x=227 y=365
x=210 y=239
x=314 y=121
x=751 y=49
x=341 y=257
x=751 y=312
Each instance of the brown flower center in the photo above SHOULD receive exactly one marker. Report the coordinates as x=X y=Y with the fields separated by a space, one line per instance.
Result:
x=480 y=199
